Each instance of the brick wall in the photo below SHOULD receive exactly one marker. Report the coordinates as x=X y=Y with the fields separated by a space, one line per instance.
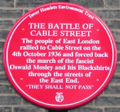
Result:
x=11 y=10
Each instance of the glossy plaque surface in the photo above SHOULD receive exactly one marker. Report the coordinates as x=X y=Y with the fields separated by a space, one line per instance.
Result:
x=59 y=55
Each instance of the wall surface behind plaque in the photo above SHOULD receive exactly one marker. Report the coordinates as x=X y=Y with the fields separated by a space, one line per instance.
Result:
x=12 y=10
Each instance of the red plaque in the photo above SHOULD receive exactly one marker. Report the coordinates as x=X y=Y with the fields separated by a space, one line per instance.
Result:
x=60 y=55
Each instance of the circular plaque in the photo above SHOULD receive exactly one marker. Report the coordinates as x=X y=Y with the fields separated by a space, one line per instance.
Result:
x=60 y=55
